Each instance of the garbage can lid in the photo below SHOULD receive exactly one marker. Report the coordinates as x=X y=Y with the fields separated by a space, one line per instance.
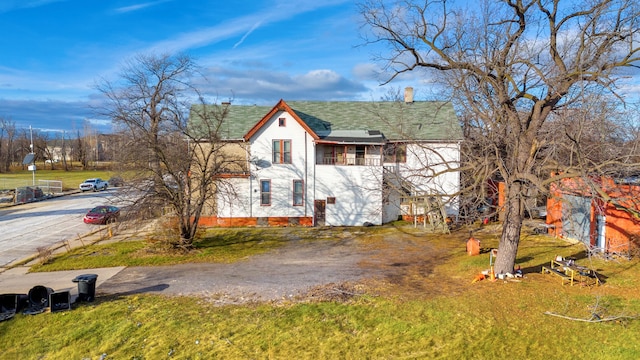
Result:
x=85 y=278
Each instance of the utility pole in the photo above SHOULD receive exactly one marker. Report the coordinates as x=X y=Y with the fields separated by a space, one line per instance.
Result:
x=32 y=167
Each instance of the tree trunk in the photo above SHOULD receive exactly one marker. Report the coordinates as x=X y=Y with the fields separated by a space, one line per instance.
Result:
x=186 y=235
x=508 y=246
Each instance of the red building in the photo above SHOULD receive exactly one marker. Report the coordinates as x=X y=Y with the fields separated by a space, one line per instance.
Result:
x=603 y=214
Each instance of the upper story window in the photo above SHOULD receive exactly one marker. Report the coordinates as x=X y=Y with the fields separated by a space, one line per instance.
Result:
x=282 y=151
x=282 y=122
x=265 y=192
x=395 y=153
x=298 y=193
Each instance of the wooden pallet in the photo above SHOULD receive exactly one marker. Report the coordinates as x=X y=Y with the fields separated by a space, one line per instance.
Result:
x=564 y=276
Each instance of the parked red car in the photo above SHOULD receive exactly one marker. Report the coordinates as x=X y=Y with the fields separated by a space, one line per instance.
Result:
x=103 y=214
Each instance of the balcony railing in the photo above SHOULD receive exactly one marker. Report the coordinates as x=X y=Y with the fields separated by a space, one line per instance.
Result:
x=328 y=160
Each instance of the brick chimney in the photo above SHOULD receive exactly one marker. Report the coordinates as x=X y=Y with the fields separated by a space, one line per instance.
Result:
x=408 y=95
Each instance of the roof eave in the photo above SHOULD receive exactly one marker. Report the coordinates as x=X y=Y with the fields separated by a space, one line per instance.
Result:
x=280 y=106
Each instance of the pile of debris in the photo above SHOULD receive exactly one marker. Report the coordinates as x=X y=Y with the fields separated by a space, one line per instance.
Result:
x=340 y=293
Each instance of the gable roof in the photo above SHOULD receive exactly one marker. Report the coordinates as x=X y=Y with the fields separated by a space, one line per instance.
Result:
x=423 y=120
x=280 y=106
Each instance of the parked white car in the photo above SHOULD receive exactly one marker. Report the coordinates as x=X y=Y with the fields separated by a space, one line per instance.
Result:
x=95 y=184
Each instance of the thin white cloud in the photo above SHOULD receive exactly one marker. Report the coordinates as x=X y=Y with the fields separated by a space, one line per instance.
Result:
x=255 y=26
x=243 y=25
x=240 y=72
x=198 y=38
x=25 y=85
x=136 y=7
x=10 y=5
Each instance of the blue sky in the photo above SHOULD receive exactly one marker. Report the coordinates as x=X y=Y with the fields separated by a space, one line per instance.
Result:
x=55 y=51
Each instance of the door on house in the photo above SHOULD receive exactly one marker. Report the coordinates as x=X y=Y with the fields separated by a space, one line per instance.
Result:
x=319 y=207
x=576 y=218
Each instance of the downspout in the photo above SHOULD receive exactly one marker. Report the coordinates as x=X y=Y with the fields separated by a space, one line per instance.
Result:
x=250 y=180
x=313 y=203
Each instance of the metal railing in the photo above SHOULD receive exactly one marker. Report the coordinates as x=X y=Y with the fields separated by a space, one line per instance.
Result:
x=44 y=189
x=50 y=187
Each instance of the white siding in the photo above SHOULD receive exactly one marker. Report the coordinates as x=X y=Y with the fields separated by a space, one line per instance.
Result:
x=358 y=193
x=234 y=198
x=282 y=176
x=358 y=190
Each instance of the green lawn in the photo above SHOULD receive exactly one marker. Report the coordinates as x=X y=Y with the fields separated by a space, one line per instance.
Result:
x=450 y=327
x=429 y=311
x=215 y=245
x=70 y=179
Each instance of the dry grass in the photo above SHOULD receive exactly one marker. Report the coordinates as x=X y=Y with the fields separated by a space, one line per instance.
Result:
x=45 y=254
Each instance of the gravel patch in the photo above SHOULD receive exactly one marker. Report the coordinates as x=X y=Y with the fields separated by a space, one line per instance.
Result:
x=280 y=275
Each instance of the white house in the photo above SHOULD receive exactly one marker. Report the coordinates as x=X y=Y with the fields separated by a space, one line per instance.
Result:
x=341 y=163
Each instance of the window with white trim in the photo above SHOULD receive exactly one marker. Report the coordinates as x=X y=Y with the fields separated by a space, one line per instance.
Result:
x=265 y=192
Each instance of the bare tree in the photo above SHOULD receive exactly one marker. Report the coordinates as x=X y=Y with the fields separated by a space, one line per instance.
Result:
x=511 y=64
x=7 y=143
x=598 y=133
x=43 y=147
x=80 y=150
x=27 y=146
x=90 y=144
x=176 y=161
x=64 y=151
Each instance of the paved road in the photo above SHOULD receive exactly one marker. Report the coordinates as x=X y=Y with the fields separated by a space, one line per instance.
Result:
x=25 y=228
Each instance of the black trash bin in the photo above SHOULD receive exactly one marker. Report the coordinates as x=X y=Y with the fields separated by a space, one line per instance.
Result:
x=86 y=286
x=38 y=300
x=8 y=306
x=59 y=301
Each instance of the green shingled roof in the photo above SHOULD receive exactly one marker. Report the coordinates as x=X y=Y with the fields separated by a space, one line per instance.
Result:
x=423 y=120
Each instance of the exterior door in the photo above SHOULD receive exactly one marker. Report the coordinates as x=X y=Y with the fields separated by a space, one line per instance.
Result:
x=319 y=207
x=576 y=218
